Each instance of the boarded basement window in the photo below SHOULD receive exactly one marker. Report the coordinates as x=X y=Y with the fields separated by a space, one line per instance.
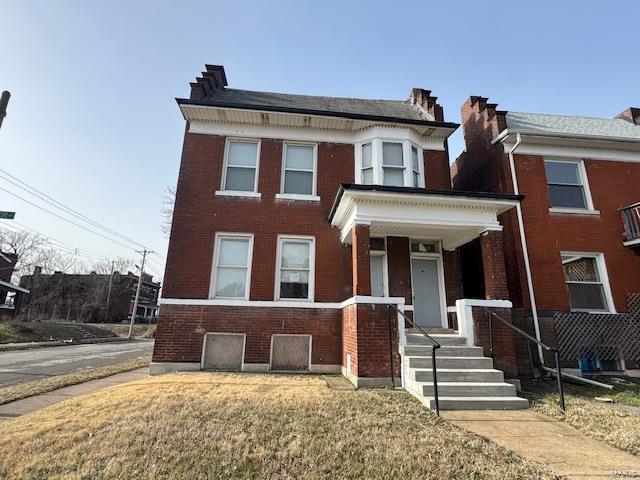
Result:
x=291 y=352
x=223 y=351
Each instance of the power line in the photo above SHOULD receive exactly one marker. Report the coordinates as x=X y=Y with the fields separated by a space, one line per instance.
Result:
x=50 y=200
x=65 y=219
x=64 y=248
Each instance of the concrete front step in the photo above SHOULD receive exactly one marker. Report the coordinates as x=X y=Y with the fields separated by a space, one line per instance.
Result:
x=419 y=339
x=482 y=403
x=444 y=351
x=450 y=362
x=469 y=389
x=459 y=375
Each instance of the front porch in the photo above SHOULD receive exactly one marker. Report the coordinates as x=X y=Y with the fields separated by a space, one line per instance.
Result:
x=404 y=243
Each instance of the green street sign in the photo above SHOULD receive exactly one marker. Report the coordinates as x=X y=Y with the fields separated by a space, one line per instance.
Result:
x=7 y=215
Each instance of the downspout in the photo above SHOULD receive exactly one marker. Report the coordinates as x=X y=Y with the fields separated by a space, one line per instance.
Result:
x=525 y=252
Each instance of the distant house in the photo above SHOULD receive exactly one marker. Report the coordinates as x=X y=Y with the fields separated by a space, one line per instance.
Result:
x=87 y=297
x=11 y=296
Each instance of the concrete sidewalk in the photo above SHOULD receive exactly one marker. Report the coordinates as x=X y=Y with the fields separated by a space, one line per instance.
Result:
x=557 y=445
x=31 y=404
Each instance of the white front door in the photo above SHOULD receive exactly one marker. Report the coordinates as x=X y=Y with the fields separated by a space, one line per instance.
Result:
x=425 y=278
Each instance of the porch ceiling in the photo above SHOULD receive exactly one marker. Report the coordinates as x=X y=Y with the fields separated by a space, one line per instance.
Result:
x=452 y=217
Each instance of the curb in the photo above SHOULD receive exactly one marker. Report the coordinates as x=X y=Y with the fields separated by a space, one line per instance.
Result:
x=60 y=343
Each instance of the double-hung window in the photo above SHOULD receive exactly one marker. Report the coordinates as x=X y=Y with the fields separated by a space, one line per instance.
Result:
x=586 y=282
x=295 y=268
x=299 y=169
x=367 y=164
x=415 y=167
x=567 y=184
x=241 y=166
x=232 y=266
x=392 y=164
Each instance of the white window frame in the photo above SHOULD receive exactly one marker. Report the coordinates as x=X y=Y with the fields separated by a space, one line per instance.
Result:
x=312 y=266
x=377 y=160
x=385 y=268
x=582 y=174
x=214 y=266
x=437 y=256
x=299 y=196
x=240 y=193
x=604 y=280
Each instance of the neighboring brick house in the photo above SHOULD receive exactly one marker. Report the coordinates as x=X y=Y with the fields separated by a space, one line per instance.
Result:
x=89 y=297
x=299 y=219
x=580 y=178
x=12 y=296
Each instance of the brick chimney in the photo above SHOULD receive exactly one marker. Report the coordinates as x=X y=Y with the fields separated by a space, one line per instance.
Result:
x=631 y=114
x=211 y=80
x=422 y=99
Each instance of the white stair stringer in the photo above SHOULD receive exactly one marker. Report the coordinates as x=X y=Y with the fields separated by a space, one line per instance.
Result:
x=466 y=379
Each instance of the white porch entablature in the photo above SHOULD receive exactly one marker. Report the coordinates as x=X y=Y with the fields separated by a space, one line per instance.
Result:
x=455 y=218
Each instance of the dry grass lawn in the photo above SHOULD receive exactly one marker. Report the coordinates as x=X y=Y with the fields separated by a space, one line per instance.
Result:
x=612 y=423
x=38 y=387
x=210 y=426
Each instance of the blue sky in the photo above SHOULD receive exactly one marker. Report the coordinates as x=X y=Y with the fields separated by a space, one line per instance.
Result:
x=93 y=123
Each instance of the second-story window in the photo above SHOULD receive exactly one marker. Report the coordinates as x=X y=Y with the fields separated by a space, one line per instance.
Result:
x=367 y=164
x=392 y=164
x=567 y=182
x=383 y=161
x=241 y=166
x=299 y=167
x=415 y=167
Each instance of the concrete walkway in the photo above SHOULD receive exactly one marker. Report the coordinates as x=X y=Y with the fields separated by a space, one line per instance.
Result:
x=559 y=446
x=31 y=404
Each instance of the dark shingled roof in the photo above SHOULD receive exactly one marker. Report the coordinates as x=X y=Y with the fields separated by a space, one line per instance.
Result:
x=401 y=111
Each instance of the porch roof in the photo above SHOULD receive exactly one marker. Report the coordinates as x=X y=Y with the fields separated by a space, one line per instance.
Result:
x=452 y=216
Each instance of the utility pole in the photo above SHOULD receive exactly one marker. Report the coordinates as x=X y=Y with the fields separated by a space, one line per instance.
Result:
x=109 y=291
x=4 y=101
x=135 y=302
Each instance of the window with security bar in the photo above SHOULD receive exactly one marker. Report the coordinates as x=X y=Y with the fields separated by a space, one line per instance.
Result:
x=585 y=282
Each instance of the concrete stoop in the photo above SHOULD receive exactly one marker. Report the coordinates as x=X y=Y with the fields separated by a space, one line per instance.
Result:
x=466 y=378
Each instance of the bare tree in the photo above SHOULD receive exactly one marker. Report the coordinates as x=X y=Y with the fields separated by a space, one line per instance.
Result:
x=25 y=246
x=168 y=202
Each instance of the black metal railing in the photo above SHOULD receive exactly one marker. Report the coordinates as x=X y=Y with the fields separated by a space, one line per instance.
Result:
x=435 y=346
x=631 y=219
x=491 y=314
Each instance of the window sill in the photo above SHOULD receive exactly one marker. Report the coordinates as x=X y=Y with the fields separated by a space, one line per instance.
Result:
x=574 y=211
x=233 y=193
x=295 y=196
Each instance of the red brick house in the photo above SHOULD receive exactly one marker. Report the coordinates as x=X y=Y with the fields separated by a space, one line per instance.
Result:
x=572 y=247
x=300 y=219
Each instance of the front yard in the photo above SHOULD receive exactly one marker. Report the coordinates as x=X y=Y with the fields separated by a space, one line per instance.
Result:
x=207 y=425
x=614 y=423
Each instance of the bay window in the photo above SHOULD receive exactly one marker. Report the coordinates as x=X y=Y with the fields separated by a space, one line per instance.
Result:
x=392 y=164
x=388 y=162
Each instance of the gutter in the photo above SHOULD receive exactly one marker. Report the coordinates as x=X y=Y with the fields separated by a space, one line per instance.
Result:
x=523 y=243
x=325 y=113
x=573 y=136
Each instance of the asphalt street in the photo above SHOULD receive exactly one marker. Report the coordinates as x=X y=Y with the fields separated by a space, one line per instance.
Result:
x=28 y=365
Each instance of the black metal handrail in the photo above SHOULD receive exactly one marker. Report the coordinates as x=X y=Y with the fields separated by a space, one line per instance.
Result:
x=434 y=344
x=531 y=339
